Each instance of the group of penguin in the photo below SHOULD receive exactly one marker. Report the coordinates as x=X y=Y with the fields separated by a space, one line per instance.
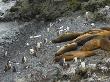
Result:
x=9 y=65
x=80 y=45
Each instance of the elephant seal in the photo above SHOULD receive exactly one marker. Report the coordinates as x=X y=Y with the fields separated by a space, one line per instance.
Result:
x=84 y=38
x=104 y=34
x=105 y=44
x=66 y=48
x=67 y=36
x=72 y=54
x=105 y=28
x=91 y=45
x=93 y=31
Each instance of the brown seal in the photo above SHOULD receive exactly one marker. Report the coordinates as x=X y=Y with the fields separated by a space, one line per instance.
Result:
x=71 y=55
x=105 y=44
x=93 y=31
x=105 y=28
x=91 y=45
x=66 y=48
x=84 y=38
x=104 y=34
x=67 y=36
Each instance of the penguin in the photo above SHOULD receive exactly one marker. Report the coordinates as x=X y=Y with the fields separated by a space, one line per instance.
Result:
x=24 y=59
x=93 y=25
x=87 y=16
x=8 y=66
x=14 y=69
x=33 y=51
x=64 y=64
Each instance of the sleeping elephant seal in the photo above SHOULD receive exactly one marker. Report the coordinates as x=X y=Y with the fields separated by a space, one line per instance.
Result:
x=66 y=48
x=71 y=55
x=105 y=44
x=91 y=45
x=67 y=36
x=105 y=28
x=93 y=31
x=84 y=38
x=104 y=34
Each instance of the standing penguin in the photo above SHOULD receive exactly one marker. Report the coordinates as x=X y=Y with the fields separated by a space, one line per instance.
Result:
x=93 y=25
x=64 y=64
x=7 y=66
x=14 y=69
x=33 y=50
x=5 y=54
x=24 y=59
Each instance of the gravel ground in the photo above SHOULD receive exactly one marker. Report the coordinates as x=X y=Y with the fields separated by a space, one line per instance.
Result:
x=41 y=68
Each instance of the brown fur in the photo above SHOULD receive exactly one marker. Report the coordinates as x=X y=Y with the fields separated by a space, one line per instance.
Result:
x=105 y=28
x=84 y=38
x=66 y=48
x=67 y=37
x=104 y=34
x=93 y=31
x=105 y=44
x=71 y=55
x=91 y=45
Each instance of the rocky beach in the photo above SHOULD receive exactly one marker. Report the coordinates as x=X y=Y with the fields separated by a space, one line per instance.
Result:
x=19 y=35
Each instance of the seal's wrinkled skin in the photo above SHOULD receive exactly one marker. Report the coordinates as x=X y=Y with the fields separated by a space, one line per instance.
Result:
x=91 y=45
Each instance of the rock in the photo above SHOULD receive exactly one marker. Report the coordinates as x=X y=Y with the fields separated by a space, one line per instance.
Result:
x=14 y=9
x=93 y=5
x=5 y=1
x=74 y=4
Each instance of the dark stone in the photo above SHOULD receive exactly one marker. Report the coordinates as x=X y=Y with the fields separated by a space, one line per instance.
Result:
x=66 y=77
